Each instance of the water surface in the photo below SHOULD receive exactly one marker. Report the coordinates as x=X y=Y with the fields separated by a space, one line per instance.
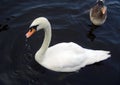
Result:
x=70 y=22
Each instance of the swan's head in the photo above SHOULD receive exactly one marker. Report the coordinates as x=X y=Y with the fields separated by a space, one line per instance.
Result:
x=37 y=24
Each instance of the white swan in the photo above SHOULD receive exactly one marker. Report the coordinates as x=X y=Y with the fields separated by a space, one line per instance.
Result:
x=63 y=57
x=98 y=13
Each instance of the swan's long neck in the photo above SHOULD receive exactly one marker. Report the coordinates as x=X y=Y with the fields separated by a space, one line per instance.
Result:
x=40 y=53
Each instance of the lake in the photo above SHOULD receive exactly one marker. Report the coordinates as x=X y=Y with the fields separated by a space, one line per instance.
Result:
x=70 y=23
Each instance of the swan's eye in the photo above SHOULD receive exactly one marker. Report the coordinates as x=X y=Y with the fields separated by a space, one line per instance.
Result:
x=33 y=27
x=30 y=30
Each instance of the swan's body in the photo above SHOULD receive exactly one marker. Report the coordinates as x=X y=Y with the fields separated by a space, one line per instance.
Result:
x=63 y=57
x=98 y=13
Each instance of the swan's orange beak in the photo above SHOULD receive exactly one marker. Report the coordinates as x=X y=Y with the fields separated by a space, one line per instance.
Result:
x=30 y=32
x=104 y=10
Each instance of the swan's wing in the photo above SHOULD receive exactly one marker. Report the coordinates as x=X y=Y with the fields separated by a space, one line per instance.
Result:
x=69 y=57
x=64 y=57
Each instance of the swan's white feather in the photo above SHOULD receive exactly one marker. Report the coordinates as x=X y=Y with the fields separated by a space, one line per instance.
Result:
x=69 y=57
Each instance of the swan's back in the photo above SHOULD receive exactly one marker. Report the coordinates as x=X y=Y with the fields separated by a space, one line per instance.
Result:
x=69 y=57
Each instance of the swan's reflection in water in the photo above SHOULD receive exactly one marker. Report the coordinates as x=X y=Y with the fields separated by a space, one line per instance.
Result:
x=91 y=34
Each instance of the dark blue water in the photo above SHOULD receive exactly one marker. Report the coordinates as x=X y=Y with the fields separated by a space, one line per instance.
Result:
x=70 y=22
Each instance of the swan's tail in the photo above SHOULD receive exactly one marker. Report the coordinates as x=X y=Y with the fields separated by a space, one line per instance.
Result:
x=97 y=56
